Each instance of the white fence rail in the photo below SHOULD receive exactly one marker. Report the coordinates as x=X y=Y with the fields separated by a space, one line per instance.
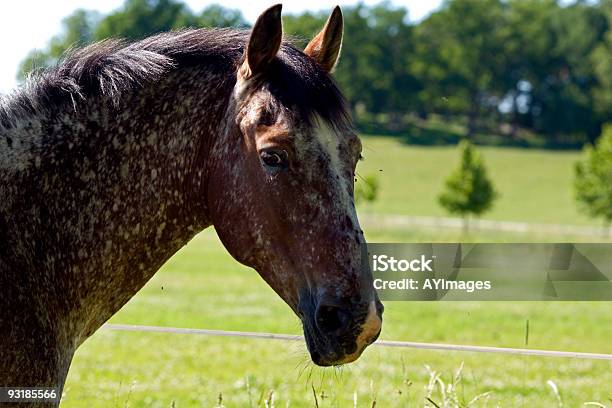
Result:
x=380 y=343
x=407 y=221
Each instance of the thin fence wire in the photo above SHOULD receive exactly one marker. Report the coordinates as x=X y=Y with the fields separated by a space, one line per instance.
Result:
x=379 y=343
x=397 y=221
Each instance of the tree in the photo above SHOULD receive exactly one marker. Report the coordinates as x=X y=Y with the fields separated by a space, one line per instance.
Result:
x=468 y=189
x=301 y=28
x=602 y=66
x=219 y=16
x=565 y=94
x=550 y=48
x=366 y=189
x=141 y=18
x=460 y=58
x=593 y=175
x=374 y=66
x=77 y=31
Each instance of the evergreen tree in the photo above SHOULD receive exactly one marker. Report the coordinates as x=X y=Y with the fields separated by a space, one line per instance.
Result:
x=366 y=189
x=593 y=178
x=469 y=191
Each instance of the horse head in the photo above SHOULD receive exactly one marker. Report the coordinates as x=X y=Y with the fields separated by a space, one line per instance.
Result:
x=286 y=161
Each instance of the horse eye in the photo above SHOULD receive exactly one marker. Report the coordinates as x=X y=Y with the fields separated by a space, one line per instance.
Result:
x=274 y=159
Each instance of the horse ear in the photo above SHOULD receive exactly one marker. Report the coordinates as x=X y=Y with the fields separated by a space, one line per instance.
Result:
x=325 y=47
x=264 y=43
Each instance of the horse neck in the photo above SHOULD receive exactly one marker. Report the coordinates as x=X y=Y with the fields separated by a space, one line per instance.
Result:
x=111 y=193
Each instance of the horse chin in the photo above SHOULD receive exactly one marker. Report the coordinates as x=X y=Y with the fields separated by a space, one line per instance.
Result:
x=336 y=356
x=368 y=334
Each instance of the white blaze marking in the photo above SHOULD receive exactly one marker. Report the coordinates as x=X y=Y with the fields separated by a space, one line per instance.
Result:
x=329 y=141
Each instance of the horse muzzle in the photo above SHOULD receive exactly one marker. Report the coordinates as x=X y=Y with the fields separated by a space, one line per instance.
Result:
x=338 y=333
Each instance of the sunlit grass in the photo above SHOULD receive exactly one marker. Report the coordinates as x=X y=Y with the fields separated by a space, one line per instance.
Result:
x=534 y=185
x=203 y=287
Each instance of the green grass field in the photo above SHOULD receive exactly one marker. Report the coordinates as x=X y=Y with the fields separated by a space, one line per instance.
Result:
x=534 y=185
x=202 y=287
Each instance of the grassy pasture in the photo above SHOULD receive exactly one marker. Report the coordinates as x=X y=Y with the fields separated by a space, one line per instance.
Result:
x=202 y=287
x=534 y=185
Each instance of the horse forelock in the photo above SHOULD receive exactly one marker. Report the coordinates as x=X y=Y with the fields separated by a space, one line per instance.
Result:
x=298 y=82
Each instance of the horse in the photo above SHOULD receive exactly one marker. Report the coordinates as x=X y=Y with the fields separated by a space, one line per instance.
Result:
x=115 y=158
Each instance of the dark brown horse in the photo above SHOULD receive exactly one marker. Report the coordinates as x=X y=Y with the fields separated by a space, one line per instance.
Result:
x=116 y=158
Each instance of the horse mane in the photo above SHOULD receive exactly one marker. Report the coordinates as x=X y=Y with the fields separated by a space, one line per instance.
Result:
x=112 y=68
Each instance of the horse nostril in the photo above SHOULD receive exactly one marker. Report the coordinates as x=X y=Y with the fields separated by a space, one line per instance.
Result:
x=332 y=319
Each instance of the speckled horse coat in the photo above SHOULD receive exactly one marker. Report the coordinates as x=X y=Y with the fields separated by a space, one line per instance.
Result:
x=115 y=159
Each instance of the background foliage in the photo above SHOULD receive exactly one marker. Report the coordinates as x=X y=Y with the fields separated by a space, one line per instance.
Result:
x=593 y=175
x=518 y=72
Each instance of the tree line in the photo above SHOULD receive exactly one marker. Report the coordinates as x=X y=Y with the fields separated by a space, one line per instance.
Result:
x=494 y=71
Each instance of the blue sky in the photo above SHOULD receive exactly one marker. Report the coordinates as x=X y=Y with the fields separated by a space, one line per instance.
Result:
x=44 y=20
